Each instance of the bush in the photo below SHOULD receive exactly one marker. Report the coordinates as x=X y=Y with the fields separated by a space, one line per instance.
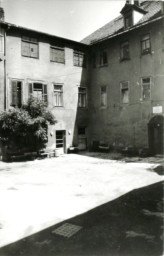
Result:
x=27 y=126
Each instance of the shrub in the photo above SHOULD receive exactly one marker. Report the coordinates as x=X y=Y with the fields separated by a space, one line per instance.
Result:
x=26 y=126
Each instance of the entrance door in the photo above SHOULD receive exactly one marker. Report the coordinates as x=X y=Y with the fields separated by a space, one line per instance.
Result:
x=156 y=137
x=82 y=140
x=60 y=141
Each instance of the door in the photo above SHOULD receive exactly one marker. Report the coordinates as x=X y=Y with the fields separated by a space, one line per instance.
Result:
x=156 y=137
x=82 y=140
x=60 y=141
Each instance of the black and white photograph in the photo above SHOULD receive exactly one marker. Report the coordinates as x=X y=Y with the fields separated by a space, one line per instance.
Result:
x=81 y=128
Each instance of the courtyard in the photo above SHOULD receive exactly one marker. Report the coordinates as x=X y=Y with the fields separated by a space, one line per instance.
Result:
x=38 y=194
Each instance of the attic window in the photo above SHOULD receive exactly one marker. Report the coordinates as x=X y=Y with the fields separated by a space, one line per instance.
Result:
x=128 y=20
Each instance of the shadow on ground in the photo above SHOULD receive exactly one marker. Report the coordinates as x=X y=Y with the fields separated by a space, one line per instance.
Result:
x=131 y=225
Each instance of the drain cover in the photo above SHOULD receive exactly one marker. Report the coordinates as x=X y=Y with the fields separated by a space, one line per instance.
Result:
x=67 y=230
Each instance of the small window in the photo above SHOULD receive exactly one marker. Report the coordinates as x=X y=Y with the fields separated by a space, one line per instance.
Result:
x=82 y=97
x=103 y=96
x=103 y=58
x=38 y=90
x=30 y=47
x=81 y=130
x=16 y=93
x=125 y=92
x=125 y=55
x=128 y=20
x=58 y=95
x=57 y=54
x=79 y=59
x=145 y=44
x=146 y=88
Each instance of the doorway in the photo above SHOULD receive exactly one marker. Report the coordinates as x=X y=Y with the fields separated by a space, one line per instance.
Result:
x=82 y=140
x=155 y=130
x=60 y=141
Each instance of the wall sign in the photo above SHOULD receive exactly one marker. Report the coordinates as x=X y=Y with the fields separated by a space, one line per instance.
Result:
x=157 y=109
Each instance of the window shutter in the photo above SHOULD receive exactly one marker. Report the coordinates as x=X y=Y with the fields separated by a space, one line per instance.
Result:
x=30 y=89
x=45 y=92
x=13 y=93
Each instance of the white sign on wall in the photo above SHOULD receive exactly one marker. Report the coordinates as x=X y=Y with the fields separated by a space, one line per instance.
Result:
x=157 y=109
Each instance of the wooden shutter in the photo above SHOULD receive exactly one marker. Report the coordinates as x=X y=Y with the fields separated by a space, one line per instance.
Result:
x=13 y=93
x=30 y=89
x=45 y=92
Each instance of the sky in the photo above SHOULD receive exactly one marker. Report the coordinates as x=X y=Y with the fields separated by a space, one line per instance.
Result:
x=72 y=19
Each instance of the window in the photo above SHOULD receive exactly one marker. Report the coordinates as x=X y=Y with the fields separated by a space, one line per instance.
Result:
x=125 y=51
x=16 y=93
x=38 y=90
x=79 y=59
x=30 y=47
x=103 y=96
x=57 y=54
x=58 y=95
x=82 y=97
x=145 y=44
x=128 y=20
x=103 y=58
x=125 y=92
x=146 y=88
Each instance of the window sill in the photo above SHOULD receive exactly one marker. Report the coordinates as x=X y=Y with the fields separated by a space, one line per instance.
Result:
x=36 y=58
x=82 y=107
x=103 y=65
x=146 y=52
x=57 y=62
x=79 y=66
x=124 y=59
x=58 y=106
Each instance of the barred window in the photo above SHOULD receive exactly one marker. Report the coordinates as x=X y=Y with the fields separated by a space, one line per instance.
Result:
x=82 y=97
x=30 y=47
x=58 y=95
x=79 y=59
x=57 y=54
x=146 y=88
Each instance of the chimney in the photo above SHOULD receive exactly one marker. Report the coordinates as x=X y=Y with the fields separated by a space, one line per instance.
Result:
x=2 y=14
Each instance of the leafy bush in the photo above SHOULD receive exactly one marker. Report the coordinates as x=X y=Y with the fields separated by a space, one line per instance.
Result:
x=26 y=127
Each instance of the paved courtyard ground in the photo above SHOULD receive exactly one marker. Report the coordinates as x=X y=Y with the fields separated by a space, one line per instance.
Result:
x=38 y=194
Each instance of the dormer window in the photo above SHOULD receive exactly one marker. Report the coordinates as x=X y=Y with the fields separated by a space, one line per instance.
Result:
x=128 y=20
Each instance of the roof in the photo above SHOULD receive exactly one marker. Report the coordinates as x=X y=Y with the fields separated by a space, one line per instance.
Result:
x=10 y=25
x=114 y=27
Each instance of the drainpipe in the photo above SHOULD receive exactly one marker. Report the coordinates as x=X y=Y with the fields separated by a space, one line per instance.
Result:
x=5 y=87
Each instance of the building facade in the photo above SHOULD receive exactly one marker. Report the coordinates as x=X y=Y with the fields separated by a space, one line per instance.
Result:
x=108 y=89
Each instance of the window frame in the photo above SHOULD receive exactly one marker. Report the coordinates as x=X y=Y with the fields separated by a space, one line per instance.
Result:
x=59 y=93
x=102 y=56
x=30 y=42
x=146 y=50
x=128 y=16
x=122 y=47
x=101 y=101
x=124 y=89
x=44 y=89
x=80 y=94
x=20 y=95
x=142 y=88
x=79 y=58
x=57 y=48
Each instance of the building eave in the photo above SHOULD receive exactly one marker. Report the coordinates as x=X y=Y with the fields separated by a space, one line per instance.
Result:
x=10 y=25
x=127 y=30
